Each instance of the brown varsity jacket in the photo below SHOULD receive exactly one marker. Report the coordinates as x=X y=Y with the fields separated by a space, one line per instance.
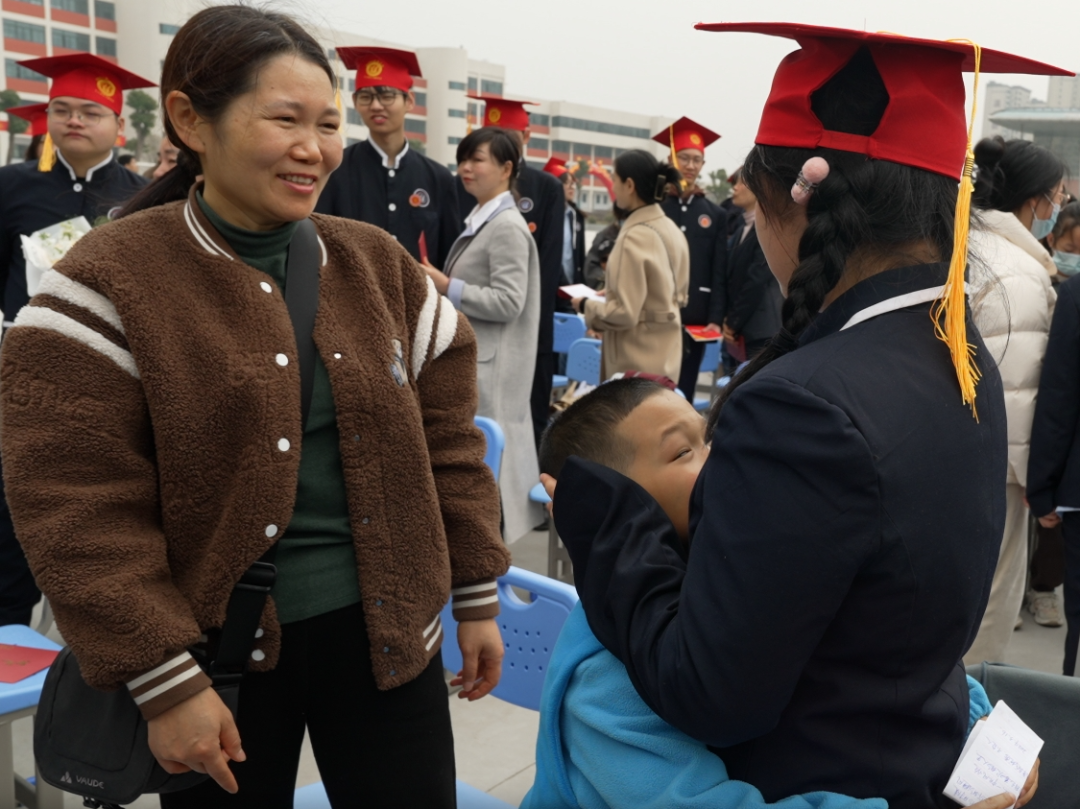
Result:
x=144 y=393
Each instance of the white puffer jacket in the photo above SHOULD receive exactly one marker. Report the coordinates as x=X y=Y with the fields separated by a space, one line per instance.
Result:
x=1012 y=303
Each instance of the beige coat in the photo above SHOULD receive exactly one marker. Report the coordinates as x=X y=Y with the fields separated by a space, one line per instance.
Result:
x=648 y=277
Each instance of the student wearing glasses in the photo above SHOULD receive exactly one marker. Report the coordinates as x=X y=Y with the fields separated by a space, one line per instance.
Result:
x=382 y=180
x=76 y=175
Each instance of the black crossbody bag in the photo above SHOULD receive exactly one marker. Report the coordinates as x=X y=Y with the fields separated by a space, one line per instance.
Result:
x=94 y=743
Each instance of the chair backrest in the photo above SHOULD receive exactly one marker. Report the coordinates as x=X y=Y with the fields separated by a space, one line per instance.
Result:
x=529 y=631
x=710 y=360
x=583 y=361
x=568 y=328
x=496 y=442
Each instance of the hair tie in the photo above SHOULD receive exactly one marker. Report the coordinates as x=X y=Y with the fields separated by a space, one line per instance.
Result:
x=814 y=172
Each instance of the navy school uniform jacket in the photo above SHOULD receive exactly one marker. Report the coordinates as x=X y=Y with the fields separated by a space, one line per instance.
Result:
x=1053 y=477
x=31 y=200
x=752 y=291
x=417 y=197
x=542 y=202
x=845 y=530
x=704 y=224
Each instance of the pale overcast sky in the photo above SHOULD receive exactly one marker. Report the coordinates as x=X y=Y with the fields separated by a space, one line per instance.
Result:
x=647 y=57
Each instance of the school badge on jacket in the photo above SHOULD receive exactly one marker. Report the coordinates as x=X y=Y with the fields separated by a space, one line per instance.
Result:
x=397 y=366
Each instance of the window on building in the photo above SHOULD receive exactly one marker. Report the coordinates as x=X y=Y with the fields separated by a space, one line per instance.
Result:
x=492 y=87
x=105 y=46
x=581 y=151
x=472 y=84
x=71 y=40
x=24 y=31
x=457 y=85
x=331 y=54
x=539 y=143
x=453 y=141
x=13 y=70
x=599 y=126
x=168 y=29
x=75 y=6
x=34 y=2
x=353 y=117
x=456 y=113
x=539 y=119
x=603 y=153
x=561 y=146
x=416 y=126
x=104 y=10
x=619 y=152
x=421 y=98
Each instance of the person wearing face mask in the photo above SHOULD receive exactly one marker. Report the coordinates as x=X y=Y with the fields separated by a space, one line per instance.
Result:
x=1019 y=188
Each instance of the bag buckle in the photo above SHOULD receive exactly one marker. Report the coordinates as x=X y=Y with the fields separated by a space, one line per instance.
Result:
x=259 y=578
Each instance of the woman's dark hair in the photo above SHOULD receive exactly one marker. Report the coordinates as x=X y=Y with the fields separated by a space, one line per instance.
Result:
x=214 y=59
x=502 y=146
x=650 y=176
x=1068 y=219
x=875 y=207
x=33 y=150
x=1010 y=172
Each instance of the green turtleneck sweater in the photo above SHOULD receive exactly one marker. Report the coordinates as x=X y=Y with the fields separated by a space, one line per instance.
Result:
x=315 y=558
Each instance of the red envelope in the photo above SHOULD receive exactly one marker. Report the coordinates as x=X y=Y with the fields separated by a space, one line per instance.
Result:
x=19 y=662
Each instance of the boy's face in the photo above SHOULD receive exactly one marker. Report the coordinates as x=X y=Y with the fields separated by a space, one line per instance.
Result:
x=668 y=437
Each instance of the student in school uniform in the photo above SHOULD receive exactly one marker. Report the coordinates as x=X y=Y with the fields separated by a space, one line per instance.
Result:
x=704 y=224
x=382 y=180
x=541 y=200
x=76 y=175
x=573 y=252
x=846 y=525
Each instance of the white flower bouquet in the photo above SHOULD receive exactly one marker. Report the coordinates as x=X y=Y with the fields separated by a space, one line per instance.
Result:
x=47 y=246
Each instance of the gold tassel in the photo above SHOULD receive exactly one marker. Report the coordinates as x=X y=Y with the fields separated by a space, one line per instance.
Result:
x=674 y=158
x=48 y=154
x=950 y=311
x=340 y=107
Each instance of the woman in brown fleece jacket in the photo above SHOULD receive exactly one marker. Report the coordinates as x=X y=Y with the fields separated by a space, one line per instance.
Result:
x=152 y=449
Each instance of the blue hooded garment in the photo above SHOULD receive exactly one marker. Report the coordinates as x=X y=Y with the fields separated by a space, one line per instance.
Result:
x=601 y=747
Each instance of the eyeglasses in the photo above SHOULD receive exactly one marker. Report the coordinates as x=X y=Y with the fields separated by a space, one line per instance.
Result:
x=63 y=115
x=691 y=161
x=1058 y=198
x=366 y=98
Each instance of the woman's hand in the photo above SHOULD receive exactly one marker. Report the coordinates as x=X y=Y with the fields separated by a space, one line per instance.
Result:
x=482 y=653
x=1051 y=520
x=198 y=734
x=575 y=304
x=715 y=327
x=729 y=334
x=549 y=485
x=440 y=279
x=1005 y=800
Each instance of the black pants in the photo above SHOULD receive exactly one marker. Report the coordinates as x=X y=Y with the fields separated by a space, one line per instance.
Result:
x=18 y=592
x=1070 y=524
x=374 y=748
x=1048 y=561
x=541 y=393
x=691 y=366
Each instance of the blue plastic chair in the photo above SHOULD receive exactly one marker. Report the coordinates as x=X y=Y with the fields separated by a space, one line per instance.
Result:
x=710 y=360
x=569 y=328
x=529 y=631
x=583 y=361
x=496 y=443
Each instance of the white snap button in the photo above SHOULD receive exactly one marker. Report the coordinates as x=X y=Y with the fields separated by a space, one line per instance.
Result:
x=395 y=237
x=684 y=208
x=393 y=207
x=282 y=360
x=271 y=531
x=258 y=655
x=259 y=633
x=284 y=445
x=78 y=186
x=266 y=287
x=337 y=356
x=392 y=173
x=682 y=227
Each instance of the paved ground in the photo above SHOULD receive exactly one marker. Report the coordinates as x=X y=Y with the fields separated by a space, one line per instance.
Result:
x=495 y=741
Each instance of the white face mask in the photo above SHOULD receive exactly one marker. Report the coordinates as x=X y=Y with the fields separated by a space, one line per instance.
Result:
x=1067 y=263
x=1041 y=228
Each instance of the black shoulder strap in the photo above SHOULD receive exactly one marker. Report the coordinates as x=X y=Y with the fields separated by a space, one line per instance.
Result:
x=248 y=598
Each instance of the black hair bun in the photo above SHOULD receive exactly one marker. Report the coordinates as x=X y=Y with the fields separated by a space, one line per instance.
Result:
x=989 y=152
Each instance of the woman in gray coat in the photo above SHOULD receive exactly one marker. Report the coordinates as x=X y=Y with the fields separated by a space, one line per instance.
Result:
x=492 y=276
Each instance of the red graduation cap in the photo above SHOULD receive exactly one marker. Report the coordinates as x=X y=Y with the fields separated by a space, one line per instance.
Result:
x=505 y=112
x=36 y=114
x=556 y=166
x=89 y=77
x=686 y=134
x=924 y=124
x=381 y=67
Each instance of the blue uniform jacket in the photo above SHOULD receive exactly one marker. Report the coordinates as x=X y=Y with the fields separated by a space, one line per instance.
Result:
x=845 y=531
x=600 y=747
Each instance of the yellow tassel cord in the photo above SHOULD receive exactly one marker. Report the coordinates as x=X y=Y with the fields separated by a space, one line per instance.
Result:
x=340 y=107
x=48 y=154
x=674 y=157
x=949 y=313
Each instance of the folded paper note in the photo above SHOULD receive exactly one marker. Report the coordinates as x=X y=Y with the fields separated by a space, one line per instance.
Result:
x=580 y=291
x=998 y=757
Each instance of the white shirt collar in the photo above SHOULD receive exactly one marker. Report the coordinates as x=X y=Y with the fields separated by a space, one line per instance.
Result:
x=482 y=213
x=894 y=304
x=90 y=173
x=386 y=158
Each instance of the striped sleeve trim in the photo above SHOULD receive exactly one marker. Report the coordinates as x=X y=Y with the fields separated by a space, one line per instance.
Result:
x=167 y=685
x=40 y=317
x=476 y=601
x=425 y=325
x=60 y=286
x=432 y=633
x=81 y=315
